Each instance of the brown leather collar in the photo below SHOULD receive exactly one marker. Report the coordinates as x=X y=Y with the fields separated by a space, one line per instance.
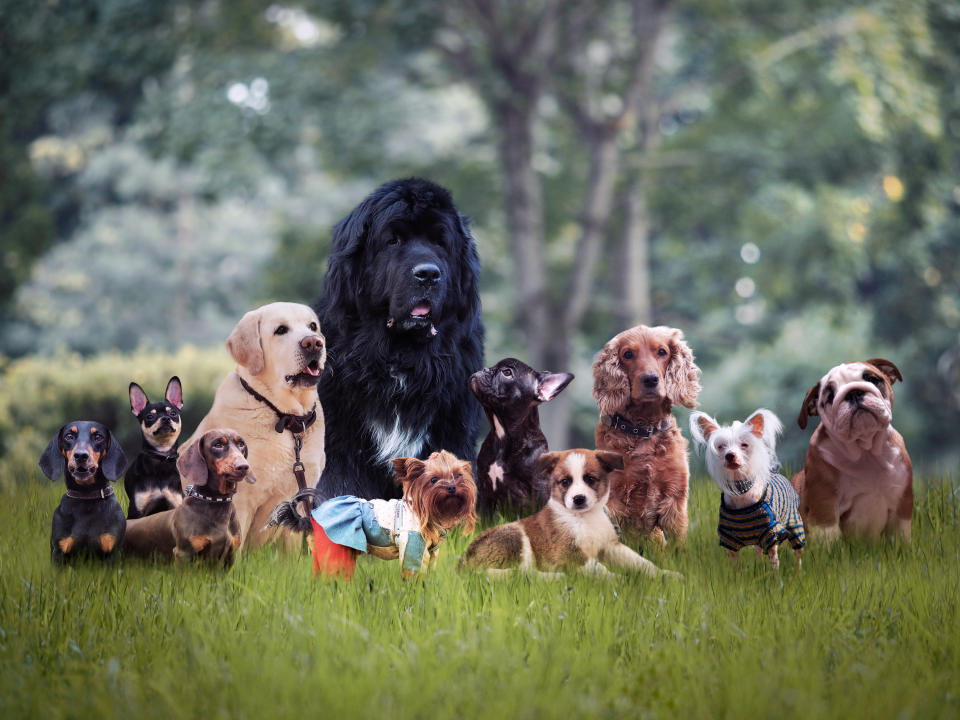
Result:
x=95 y=494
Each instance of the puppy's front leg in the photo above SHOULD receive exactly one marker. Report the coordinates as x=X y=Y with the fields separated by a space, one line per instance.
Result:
x=623 y=556
x=734 y=557
x=593 y=567
x=798 y=552
x=774 y=556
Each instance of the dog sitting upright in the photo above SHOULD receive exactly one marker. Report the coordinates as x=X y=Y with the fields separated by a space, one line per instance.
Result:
x=88 y=520
x=510 y=393
x=573 y=532
x=152 y=481
x=758 y=506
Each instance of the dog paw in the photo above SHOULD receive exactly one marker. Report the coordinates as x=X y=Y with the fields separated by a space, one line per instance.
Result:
x=66 y=544
x=107 y=542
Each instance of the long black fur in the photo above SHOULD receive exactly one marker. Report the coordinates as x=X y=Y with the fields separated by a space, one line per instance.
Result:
x=382 y=373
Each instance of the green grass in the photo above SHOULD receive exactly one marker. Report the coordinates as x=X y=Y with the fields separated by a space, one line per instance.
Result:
x=863 y=631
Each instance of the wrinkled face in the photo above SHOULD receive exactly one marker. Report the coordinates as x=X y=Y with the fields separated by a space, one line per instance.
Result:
x=578 y=478
x=643 y=356
x=855 y=400
x=225 y=453
x=511 y=387
x=83 y=445
x=409 y=266
x=440 y=489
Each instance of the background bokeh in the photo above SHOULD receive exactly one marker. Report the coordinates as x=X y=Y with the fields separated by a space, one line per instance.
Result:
x=781 y=180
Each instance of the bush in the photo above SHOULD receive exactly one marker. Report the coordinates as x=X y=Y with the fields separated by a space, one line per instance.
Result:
x=39 y=394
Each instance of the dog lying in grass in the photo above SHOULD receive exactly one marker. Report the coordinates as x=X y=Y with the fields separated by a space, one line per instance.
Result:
x=439 y=494
x=573 y=532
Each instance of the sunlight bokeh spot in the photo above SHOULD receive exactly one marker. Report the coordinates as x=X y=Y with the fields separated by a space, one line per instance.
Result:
x=750 y=253
x=857 y=232
x=893 y=187
x=745 y=287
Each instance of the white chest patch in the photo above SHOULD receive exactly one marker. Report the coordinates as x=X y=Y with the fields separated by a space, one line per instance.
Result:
x=592 y=531
x=396 y=441
x=496 y=474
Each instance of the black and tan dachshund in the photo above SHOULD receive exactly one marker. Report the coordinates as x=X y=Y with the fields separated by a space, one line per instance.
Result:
x=205 y=525
x=88 y=520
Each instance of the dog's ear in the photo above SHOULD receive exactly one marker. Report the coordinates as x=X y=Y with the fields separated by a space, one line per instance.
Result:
x=549 y=385
x=138 y=399
x=809 y=406
x=702 y=426
x=682 y=374
x=191 y=464
x=611 y=386
x=765 y=425
x=52 y=461
x=610 y=460
x=244 y=343
x=174 y=392
x=115 y=462
x=406 y=468
x=887 y=368
x=546 y=463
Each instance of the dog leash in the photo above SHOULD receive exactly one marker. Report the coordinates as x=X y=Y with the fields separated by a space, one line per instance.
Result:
x=297 y=425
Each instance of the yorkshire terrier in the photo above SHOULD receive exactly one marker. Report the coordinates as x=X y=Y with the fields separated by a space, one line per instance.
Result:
x=438 y=495
x=758 y=505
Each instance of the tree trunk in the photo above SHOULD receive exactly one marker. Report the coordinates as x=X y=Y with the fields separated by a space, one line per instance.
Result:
x=633 y=304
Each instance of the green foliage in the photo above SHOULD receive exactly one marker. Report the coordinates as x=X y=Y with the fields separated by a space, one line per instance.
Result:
x=862 y=631
x=39 y=394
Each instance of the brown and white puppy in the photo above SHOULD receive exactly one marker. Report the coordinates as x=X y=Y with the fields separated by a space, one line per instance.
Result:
x=280 y=354
x=638 y=377
x=205 y=524
x=573 y=532
x=858 y=478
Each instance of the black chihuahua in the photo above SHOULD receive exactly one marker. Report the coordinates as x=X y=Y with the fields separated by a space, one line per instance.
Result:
x=510 y=392
x=88 y=520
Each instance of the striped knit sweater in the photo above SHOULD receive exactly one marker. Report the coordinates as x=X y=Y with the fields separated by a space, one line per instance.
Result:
x=766 y=523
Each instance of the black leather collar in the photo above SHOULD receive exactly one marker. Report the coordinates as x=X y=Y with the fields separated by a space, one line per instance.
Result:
x=193 y=492
x=619 y=422
x=285 y=421
x=94 y=494
x=157 y=455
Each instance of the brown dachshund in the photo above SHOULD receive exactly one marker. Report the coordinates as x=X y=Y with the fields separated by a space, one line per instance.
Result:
x=205 y=525
x=638 y=377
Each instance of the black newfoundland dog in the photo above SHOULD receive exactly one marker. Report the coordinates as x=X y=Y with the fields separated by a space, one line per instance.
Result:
x=400 y=310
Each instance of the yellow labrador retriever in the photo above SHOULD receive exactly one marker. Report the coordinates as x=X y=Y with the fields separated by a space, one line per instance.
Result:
x=271 y=401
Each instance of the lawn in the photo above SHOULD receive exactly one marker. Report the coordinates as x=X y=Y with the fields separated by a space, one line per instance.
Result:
x=862 y=631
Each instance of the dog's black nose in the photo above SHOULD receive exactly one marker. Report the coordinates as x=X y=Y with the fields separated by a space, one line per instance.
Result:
x=312 y=342
x=729 y=457
x=426 y=273
x=80 y=457
x=451 y=489
x=855 y=396
x=579 y=500
x=650 y=380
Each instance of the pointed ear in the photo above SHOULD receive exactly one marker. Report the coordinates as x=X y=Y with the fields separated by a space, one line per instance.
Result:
x=610 y=460
x=138 y=399
x=549 y=385
x=887 y=368
x=682 y=374
x=809 y=406
x=405 y=467
x=115 y=462
x=611 y=386
x=702 y=426
x=191 y=464
x=52 y=462
x=174 y=392
x=244 y=343
x=765 y=425
x=545 y=464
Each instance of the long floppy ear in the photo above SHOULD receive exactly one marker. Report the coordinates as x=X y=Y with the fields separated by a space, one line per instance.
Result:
x=809 y=406
x=115 y=462
x=174 y=392
x=549 y=385
x=887 y=368
x=609 y=460
x=702 y=426
x=404 y=467
x=468 y=285
x=191 y=464
x=766 y=426
x=682 y=374
x=244 y=343
x=611 y=386
x=52 y=461
x=138 y=399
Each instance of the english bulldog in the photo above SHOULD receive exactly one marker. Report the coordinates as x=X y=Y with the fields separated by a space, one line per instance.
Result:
x=858 y=478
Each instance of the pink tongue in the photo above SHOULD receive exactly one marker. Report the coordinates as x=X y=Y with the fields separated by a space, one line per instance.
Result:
x=311 y=371
x=420 y=310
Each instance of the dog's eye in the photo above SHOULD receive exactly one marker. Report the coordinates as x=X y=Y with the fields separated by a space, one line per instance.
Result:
x=745 y=445
x=590 y=480
x=565 y=482
x=506 y=372
x=828 y=398
x=628 y=355
x=434 y=480
x=393 y=240
x=871 y=378
x=281 y=330
x=662 y=352
x=312 y=326
x=151 y=415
